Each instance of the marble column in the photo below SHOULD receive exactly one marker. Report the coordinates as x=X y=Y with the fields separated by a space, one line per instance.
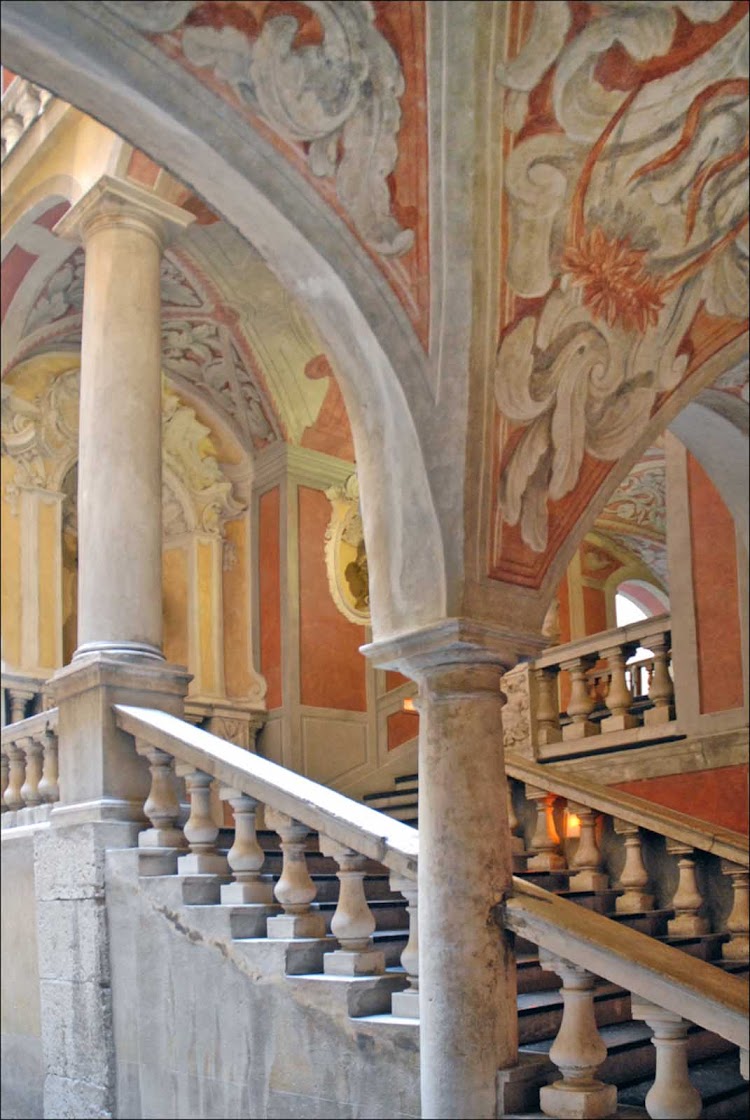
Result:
x=467 y=982
x=124 y=229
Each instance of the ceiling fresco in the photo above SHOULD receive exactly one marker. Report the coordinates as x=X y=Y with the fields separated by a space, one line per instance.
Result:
x=625 y=244
x=340 y=90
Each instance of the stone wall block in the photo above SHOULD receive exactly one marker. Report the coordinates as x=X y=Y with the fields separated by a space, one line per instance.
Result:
x=69 y=861
x=77 y=1032
x=70 y=1099
x=73 y=940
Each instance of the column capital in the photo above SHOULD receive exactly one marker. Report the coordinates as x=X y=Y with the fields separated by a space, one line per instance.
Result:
x=454 y=644
x=116 y=202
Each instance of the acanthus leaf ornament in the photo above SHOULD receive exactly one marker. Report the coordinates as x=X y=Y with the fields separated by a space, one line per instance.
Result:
x=624 y=219
x=340 y=97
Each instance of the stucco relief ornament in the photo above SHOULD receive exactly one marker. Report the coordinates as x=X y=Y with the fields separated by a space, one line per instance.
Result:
x=339 y=97
x=41 y=436
x=625 y=221
x=346 y=558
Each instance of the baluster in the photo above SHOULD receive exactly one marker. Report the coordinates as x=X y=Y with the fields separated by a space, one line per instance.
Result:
x=578 y=1050
x=547 y=706
x=745 y=1063
x=49 y=790
x=34 y=756
x=19 y=702
x=634 y=877
x=162 y=806
x=581 y=703
x=672 y=1094
x=353 y=923
x=245 y=857
x=16 y=770
x=200 y=830
x=619 y=697
x=4 y=774
x=738 y=922
x=405 y=1004
x=687 y=901
x=544 y=848
x=587 y=859
x=295 y=889
x=661 y=689
x=517 y=847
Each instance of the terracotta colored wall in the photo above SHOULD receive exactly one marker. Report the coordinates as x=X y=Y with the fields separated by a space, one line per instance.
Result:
x=720 y=676
x=402 y=726
x=719 y=796
x=394 y=680
x=332 y=670
x=269 y=587
x=594 y=609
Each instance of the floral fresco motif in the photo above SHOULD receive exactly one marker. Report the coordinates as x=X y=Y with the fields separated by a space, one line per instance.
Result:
x=626 y=192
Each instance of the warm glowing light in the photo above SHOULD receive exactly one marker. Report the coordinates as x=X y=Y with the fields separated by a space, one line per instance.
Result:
x=572 y=825
x=409 y=705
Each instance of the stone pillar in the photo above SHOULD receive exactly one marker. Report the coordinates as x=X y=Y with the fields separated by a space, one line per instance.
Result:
x=103 y=780
x=124 y=230
x=467 y=983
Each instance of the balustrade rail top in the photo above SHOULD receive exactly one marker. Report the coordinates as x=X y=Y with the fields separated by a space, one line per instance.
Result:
x=635 y=633
x=29 y=728
x=699 y=992
x=635 y=810
x=356 y=826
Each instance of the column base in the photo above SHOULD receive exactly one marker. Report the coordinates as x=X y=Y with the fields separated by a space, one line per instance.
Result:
x=120 y=649
x=405 y=1005
x=286 y=927
x=590 y=1102
x=345 y=962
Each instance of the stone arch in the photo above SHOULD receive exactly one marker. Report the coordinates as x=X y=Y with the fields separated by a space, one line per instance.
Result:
x=92 y=58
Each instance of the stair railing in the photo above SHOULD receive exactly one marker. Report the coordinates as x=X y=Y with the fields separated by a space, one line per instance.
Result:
x=590 y=695
x=294 y=806
x=668 y=989
x=29 y=768
x=560 y=798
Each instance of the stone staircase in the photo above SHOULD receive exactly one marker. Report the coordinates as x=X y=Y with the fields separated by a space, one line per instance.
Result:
x=300 y=924
x=630 y=1061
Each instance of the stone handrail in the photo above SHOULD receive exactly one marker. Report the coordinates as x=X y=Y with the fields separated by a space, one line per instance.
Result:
x=30 y=728
x=323 y=810
x=635 y=633
x=623 y=806
x=658 y=973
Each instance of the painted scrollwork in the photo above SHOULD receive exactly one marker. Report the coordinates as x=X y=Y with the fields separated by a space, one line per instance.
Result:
x=340 y=97
x=345 y=554
x=152 y=16
x=626 y=218
x=41 y=435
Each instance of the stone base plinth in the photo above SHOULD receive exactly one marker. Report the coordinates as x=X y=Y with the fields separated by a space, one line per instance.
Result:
x=202 y=863
x=655 y=717
x=688 y=925
x=738 y=949
x=405 y=1005
x=162 y=838
x=343 y=962
x=284 y=927
x=258 y=891
x=634 y=902
x=586 y=880
x=620 y=722
x=157 y=861
x=545 y=861
x=579 y=730
x=591 y=1102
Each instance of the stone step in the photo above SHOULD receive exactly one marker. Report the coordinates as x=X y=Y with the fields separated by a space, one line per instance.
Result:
x=391 y=799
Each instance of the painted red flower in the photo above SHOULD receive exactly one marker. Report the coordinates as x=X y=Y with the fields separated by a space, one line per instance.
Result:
x=616 y=285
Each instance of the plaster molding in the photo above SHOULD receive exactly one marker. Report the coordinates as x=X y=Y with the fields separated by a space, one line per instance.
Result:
x=114 y=201
x=453 y=641
x=345 y=556
x=300 y=465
